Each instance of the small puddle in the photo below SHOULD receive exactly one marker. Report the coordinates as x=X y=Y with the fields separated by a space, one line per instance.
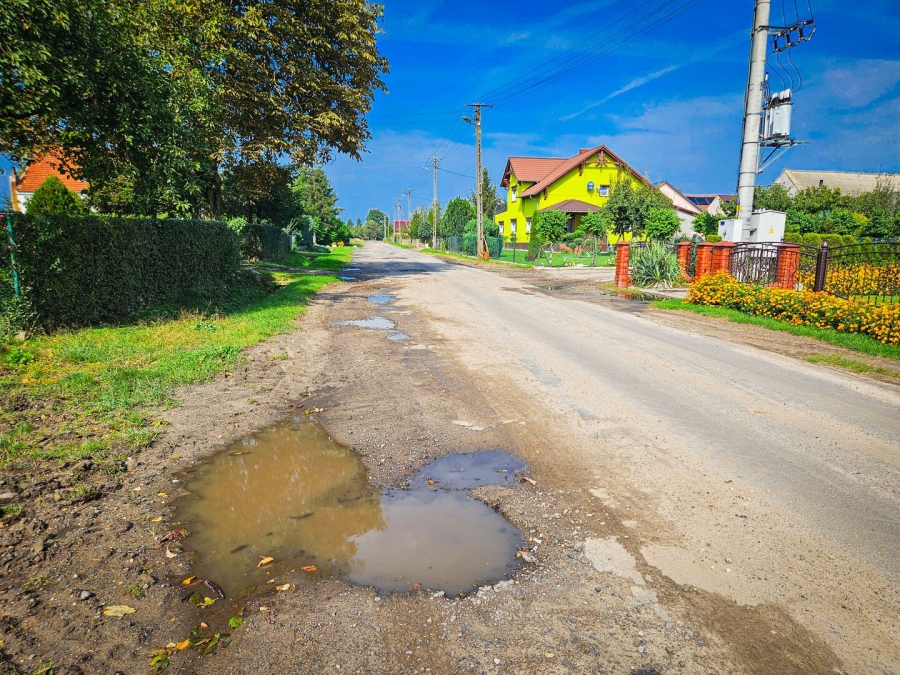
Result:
x=398 y=336
x=350 y=269
x=376 y=322
x=381 y=298
x=294 y=494
x=346 y=278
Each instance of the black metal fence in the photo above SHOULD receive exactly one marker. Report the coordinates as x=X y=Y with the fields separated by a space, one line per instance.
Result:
x=869 y=272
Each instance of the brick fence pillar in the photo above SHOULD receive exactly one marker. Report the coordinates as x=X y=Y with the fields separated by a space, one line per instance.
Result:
x=721 y=257
x=683 y=253
x=623 y=253
x=787 y=266
x=704 y=259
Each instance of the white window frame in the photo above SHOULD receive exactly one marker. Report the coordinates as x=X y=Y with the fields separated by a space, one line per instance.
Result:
x=512 y=227
x=528 y=226
x=603 y=191
x=514 y=190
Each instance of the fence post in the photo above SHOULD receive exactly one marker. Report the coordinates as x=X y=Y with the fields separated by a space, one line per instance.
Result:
x=623 y=252
x=787 y=266
x=683 y=253
x=821 y=268
x=704 y=259
x=721 y=256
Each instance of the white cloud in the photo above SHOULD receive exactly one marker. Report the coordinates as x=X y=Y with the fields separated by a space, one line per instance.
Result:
x=859 y=84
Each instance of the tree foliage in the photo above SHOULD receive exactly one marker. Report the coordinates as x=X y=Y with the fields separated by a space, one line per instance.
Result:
x=706 y=223
x=549 y=227
x=52 y=196
x=492 y=202
x=662 y=223
x=459 y=212
x=629 y=206
x=148 y=100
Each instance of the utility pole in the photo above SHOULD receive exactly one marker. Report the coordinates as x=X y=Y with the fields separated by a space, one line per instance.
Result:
x=434 y=206
x=478 y=196
x=753 y=100
x=408 y=204
x=385 y=226
x=399 y=218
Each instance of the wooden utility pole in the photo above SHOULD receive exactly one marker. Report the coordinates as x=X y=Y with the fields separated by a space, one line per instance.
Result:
x=434 y=206
x=478 y=195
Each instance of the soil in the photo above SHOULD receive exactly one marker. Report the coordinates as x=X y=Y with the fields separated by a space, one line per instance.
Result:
x=402 y=405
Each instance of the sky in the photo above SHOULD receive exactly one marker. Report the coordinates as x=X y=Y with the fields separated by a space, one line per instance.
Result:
x=661 y=83
x=667 y=100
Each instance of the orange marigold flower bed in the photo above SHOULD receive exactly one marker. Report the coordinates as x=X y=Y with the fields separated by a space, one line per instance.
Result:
x=805 y=308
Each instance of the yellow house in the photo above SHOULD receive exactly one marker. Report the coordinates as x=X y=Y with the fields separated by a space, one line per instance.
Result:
x=575 y=186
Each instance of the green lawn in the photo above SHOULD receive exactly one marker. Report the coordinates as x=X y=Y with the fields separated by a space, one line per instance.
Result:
x=854 y=341
x=92 y=392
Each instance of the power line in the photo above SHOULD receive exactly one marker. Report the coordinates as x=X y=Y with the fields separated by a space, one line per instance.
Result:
x=454 y=173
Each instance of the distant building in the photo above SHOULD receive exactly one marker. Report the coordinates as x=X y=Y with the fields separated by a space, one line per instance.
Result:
x=684 y=207
x=399 y=225
x=850 y=183
x=711 y=203
x=22 y=185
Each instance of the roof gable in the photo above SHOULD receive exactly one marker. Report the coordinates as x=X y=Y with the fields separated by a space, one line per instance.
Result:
x=529 y=169
x=581 y=158
x=40 y=169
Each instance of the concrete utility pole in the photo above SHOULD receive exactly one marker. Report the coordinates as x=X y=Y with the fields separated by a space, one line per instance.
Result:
x=478 y=196
x=385 y=226
x=753 y=111
x=408 y=204
x=434 y=206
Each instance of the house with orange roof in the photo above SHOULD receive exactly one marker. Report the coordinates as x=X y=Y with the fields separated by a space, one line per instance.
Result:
x=23 y=184
x=575 y=185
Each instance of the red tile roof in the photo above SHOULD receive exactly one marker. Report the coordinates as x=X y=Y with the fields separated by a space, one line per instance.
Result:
x=572 y=206
x=40 y=170
x=529 y=169
x=582 y=157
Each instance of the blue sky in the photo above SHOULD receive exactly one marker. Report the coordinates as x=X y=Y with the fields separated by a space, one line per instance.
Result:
x=669 y=101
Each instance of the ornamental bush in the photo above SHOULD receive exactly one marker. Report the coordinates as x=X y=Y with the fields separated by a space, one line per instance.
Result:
x=800 y=308
x=83 y=270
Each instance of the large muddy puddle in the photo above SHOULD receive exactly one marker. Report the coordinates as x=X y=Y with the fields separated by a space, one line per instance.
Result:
x=294 y=494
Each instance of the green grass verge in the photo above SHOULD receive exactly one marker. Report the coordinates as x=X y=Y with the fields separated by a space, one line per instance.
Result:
x=338 y=257
x=854 y=341
x=92 y=392
x=852 y=364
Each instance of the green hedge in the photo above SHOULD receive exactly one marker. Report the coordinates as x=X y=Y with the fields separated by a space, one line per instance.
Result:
x=261 y=241
x=83 y=270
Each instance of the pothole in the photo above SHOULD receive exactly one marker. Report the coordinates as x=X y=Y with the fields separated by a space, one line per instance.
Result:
x=375 y=322
x=294 y=494
x=381 y=298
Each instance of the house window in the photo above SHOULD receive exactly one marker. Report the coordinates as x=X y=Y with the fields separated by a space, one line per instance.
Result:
x=604 y=191
x=515 y=188
x=512 y=228
x=528 y=226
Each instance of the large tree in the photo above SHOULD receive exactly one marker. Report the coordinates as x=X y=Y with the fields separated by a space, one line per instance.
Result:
x=629 y=206
x=492 y=202
x=148 y=100
x=459 y=212
x=316 y=195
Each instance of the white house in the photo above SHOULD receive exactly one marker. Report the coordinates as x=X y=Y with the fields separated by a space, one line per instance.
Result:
x=684 y=207
x=850 y=183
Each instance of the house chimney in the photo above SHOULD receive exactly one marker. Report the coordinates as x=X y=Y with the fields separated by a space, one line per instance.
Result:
x=583 y=150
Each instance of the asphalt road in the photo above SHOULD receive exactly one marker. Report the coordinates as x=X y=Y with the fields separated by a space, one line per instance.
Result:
x=822 y=446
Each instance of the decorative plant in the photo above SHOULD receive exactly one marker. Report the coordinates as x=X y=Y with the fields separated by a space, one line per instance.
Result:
x=655 y=266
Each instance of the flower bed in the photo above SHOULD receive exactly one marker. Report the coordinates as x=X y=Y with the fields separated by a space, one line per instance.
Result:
x=800 y=308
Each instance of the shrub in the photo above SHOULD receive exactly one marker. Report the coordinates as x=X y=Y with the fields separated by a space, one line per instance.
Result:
x=800 y=308
x=52 y=196
x=833 y=240
x=713 y=238
x=812 y=239
x=706 y=223
x=81 y=270
x=848 y=240
x=655 y=265
x=793 y=238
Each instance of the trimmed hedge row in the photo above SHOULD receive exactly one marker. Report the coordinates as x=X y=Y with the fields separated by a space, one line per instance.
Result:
x=814 y=239
x=262 y=241
x=83 y=270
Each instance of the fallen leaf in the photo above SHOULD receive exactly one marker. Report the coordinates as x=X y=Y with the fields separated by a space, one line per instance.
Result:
x=526 y=556
x=188 y=581
x=208 y=601
x=309 y=568
x=238 y=454
x=158 y=519
x=526 y=479
x=182 y=645
x=174 y=535
x=416 y=587
x=196 y=599
x=171 y=645
x=266 y=559
x=264 y=608
x=549 y=655
x=271 y=581
x=204 y=625
x=162 y=494
x=118 y=610
x=169 y=553
x=235 y=622
x=285 y=587
x=214 y=587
